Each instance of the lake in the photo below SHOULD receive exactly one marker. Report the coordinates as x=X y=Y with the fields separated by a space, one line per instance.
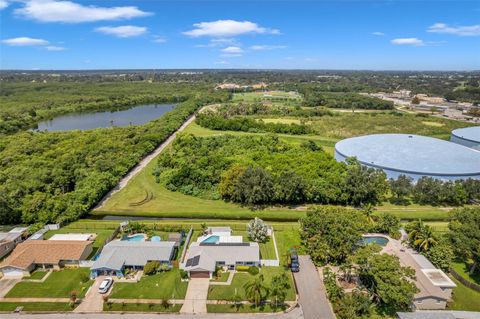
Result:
x=137 y=115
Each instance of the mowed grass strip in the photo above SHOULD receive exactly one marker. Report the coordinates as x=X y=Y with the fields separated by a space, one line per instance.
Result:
x=244 y=308
x=165 y=285
x=38 y=274
x=140 y=307
x=36 y=306
x=58 y=285
x=241 y=278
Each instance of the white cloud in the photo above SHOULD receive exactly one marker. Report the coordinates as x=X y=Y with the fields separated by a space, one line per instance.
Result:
x=54 y=48
x=266 y=47
x=227 y=28
x=25 y=41
x=71 y=12
x=3 y=4
x=408 y=41
x=472 y=30
x=230 y=55
x=378 y=34
x=159 y=39
x=232 y=50
x=124 y=31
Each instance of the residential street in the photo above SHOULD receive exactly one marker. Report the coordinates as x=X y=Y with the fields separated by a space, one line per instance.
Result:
x=294 y=314
x=312 y=295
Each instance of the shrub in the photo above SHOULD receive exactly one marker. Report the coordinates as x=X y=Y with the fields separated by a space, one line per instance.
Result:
x=242 y=268
x=257 y=230
x=253 y=270
x=151 y=267
x=183 y=274
x=84 y=277
x=164 y=267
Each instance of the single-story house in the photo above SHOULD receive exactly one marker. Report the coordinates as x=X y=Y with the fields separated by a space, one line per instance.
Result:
x=46 y=254
x=434 y=286
x=218 y=231
x=118 y=255
x=202 y=258
x=427 y=315
x=10 y=239
x=73 y=236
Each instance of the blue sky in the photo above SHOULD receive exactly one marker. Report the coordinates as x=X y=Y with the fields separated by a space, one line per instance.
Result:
x=376 y=35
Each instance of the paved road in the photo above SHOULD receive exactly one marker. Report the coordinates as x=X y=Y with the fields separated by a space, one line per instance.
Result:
x=93 y=301
x=311 y=291
x=196 y=297
x=294 y=314
x=6 y=284
x=144 y=162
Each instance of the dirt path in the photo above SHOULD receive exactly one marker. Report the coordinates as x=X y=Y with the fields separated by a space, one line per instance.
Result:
x=145 y=161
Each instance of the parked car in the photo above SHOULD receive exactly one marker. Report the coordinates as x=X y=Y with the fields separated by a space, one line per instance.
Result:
x=294 y=266
x=105 y=285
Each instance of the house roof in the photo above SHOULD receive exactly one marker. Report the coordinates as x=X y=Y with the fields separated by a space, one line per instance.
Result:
x=118 y=253
x=219 y=229
x=9 y=237
x=425 y=315
x=230 y=253
x=175 y=237
x=44 y=252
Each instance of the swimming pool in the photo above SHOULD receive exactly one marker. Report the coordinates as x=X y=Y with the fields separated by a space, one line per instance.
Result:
x=212 y=239
x=137 y=237
x=382 y=241
x=156 y=238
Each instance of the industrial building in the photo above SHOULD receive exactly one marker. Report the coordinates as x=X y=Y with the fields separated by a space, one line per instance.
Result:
x=469 y=136
x=412 y=155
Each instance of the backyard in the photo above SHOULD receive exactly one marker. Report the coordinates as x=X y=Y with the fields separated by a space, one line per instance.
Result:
x=164 y=285
x=58 y=285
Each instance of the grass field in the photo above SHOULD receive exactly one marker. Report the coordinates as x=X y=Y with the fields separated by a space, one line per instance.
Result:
x=36 y=306
x=464 y=298
x=38 y=274
x=269 y=95
x=463 y=270
x=140 y=307
x=239 y=280
x=267 y=249
x=58 y=285
x=165 y=285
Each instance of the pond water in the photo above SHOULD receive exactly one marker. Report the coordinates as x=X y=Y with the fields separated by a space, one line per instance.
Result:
x=382 y=241
x=137 y=115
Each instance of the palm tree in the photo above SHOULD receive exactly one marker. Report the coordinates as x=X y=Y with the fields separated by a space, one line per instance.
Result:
x=256 y=290
x=422 y=237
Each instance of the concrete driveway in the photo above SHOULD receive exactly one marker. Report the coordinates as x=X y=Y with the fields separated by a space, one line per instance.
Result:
x=196 y=298
x=93 y=301
x=311 y=291
x=6 y=284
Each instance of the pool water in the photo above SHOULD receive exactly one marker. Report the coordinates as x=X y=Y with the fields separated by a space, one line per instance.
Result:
x=212 y=239
x=156 y=238
x=134 y=238
x=382 y=241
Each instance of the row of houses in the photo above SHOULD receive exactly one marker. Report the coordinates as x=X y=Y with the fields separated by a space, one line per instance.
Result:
x=217 y=248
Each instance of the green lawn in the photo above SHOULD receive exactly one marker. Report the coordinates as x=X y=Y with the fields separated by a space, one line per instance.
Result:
x=166 y=285
x=287 y=239
x=58 y=285
x=463 y=269
x=267 y=249
x=38 y=274
x=222 y=278
x=36 y=306
x=240 y=278
x=140 y=307
x=464 y=298
x=243 y=309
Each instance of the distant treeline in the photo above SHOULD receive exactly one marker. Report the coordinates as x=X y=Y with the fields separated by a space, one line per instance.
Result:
x=345 y=101
x=54 y=177
x=245 y=124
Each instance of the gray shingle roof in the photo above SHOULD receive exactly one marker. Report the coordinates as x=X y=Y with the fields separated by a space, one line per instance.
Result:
x=117 y=254
x=425 y=315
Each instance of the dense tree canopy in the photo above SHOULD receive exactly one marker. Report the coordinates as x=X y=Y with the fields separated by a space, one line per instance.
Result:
x=465 y=234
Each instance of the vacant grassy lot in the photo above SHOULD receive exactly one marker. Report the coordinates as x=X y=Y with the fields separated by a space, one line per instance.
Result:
x=58 y=285
x=464 y=298
x=269 y=95
x=165 y=285
x=36 y=306
x=140 y=307
x=241 y=278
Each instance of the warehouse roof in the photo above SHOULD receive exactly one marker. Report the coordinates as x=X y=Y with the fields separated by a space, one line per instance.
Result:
x=412 y=154
x=468 y=133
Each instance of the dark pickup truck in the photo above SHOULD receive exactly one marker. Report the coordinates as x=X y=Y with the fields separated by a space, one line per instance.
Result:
x=294 y=265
